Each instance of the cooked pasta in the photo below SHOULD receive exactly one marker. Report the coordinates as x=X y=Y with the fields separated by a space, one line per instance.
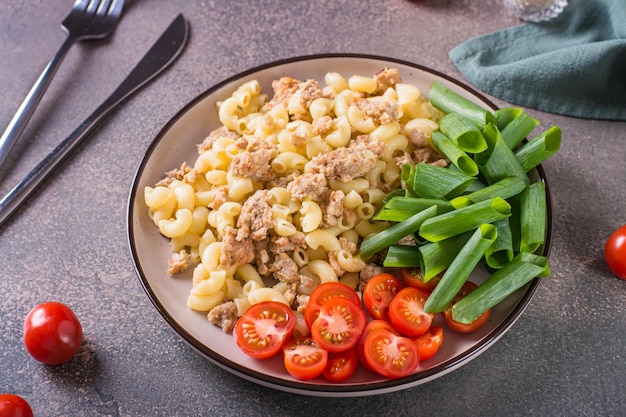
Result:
x=281 y=195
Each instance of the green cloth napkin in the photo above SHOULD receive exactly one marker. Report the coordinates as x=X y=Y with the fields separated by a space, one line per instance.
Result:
x=573 y=65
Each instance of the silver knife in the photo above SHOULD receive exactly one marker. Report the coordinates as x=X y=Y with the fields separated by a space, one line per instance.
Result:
x=166 y=49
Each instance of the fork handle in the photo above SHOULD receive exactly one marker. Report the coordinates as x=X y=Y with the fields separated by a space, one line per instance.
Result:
x=15 y=128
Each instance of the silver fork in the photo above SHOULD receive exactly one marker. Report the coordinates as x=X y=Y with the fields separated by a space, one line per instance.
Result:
x=88 y=19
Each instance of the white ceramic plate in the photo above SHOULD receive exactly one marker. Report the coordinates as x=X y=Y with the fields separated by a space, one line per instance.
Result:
x=177 y=142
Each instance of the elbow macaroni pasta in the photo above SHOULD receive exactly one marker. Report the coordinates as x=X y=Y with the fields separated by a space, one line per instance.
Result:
x=206 y=212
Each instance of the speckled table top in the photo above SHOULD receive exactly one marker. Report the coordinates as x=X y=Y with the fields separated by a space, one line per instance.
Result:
x=564 y=356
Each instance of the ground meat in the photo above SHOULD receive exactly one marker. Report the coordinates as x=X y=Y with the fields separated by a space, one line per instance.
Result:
x=332 y=260
x=287 y=89
x=322 y=125
x=178 y=262
x=334 y=208
x=207 y=143
x=235 y=252
x=376 y=146
x=301 y=302
x=344 y=164
x=261 y=249
x=280 y=244
x=381 y=110
x=255 y=218
x=253 y=165
x=347 y=245
x=224 y=315
x=290 y=294
x=424 y=152
x=367 y=273
x=386 y=78
x=285 y=269
x=175 y=174
x=309 y=184
x=221 y=197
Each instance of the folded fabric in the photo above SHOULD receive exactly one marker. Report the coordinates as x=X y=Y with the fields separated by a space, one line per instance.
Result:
x=573 y=65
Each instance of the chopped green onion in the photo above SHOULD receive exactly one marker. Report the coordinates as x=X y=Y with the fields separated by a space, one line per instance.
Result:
x=455 y=222
x=402 y=256
x=463 y=133
x=431 y=181
x=437 y=256
x=520 y=127
x=533 y=213
x=450 y=102
x=539 y=149
x=460 y=268
x=393 y=234
x=498 y=161
x=521 y=270
x=505 y=188
x=506 y=115
x=500 y=253
x=459 y=158
x=398 y=208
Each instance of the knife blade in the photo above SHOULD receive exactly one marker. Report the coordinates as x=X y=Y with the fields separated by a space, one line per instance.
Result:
x=163 y=53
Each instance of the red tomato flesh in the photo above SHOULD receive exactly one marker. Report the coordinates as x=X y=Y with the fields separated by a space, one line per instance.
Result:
x=303 y=359
x=459 y=327
x=341 y=365
x=12 y=405
x=339 y=325
x=615 y=252
x=325 y=292
x=429 y=343
x=391 y=355
x=407 y=314
x=378 y=293
x=413 y=277
x=370 y=327
x=264 y=329
x=52 y=333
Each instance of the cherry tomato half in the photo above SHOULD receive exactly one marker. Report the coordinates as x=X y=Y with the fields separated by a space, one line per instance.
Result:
x=468 y=287
x=12 y=405
x=264 y=329
x=615 y=252
x=304 y=359
x=339 y=325
x=378 y=293
x=341 y=365
x=370 y=327
x=407 y=314
x=52 y=333
x=325 y=292
x=429 y=343
x=391 y=355
x=413 y=277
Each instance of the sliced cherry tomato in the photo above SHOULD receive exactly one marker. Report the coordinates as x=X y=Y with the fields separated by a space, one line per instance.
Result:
x=378 y=293
x=407 y=314
x=339 y=325
x=264 y=329
x=370 y=327
x=413 y=277
x=341 y=365
x=325 y=292
x=12 y=405
x=429 y=343
x=468 y=287
x=52 y=333
x=615 y=252
x=391 y=355
x=304 y=359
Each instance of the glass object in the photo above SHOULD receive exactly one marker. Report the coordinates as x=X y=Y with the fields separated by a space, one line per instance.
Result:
x=535 y=10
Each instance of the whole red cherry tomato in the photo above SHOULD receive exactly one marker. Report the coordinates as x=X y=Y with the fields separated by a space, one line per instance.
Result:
x=52 y=333
x=615 y=252
x=12 y=405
